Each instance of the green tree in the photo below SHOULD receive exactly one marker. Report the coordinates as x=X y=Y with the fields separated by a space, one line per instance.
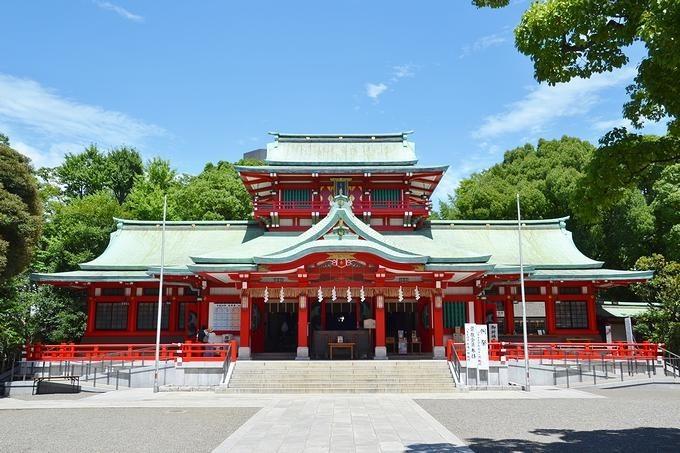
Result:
x=39 y=313
x=666 y=206
x=579 y=38
x=145 y=201
x=20 y=212
x=215 y=194
x=4 y=140
x=77 y=232
x=661 y=323
x=91 y=171
x=83 y=173
x=548 y=178
x=123 y=166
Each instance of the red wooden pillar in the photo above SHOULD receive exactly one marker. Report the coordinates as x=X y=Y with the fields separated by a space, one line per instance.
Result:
x=480 y=310
x=174 y=310
x=438 y=326
x=244 y=345
x=592 y=313
x=91 y=311
x=509 y=316
x=302 y=346
x=132 y=315
x=550 y=319
x=380 y=349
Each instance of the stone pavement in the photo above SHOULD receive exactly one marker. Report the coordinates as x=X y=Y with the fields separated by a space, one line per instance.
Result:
x=313 y=422
x=333 y=424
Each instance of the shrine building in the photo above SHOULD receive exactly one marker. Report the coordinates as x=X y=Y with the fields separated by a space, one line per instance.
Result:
x=341 y=248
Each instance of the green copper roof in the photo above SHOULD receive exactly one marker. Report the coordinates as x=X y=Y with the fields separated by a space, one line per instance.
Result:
x=341 y=149
x=546 y=243
x=361 y=168
x=133 y=253
x=360 y=237
x=590 y=274
x=136 y=245
x=622 y=309
x=92 y=276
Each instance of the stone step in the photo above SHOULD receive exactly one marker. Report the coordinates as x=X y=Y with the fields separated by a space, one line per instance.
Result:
x=246 y=383
x=393 y=376
x=324 y=390
x=343 y=373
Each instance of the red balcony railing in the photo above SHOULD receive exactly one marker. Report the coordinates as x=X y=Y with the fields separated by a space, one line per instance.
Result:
x=323 y=207
x=569 y=351
x=187 y=352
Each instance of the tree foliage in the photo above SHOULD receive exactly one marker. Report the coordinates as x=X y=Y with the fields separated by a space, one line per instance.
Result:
x=77 y=232
x=548 y=178
x=92 y=171
x=29 y=314
x=578 y=38
x=661 y=323
x=20 y=212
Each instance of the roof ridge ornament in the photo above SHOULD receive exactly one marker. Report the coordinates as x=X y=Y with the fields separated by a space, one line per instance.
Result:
x=342 y=201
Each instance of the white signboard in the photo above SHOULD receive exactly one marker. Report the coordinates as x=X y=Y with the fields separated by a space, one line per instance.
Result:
x=608 y=333
x=470 y=345
x=493 y=332
x=534 y=309
x=482 y=339
x=629 y=330
x=225 y=316
x=476 y=346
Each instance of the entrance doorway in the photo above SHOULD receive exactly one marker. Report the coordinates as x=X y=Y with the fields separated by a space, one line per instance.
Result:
x=401 y=334
x=281 y=326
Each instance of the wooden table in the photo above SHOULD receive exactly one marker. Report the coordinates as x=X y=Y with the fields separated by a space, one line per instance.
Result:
x=343 y=345
x=413 y=344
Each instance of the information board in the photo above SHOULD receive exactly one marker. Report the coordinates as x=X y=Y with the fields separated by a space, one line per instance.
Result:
x=493 y=332
x=470 y=345
x=225 y=316
x=476 y=346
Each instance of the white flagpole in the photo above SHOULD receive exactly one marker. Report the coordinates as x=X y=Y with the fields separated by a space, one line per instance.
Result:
x=527 y=386
x=160 y=298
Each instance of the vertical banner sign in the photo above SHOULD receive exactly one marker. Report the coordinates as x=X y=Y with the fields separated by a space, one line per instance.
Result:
x=629 y=331
x=493 y=332
x=608 y=333
x=470 y=345
x=482 y=340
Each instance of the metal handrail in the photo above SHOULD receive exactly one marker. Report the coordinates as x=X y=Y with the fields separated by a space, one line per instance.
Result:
x=226 y=363
x=670 y=360
x=454 y=362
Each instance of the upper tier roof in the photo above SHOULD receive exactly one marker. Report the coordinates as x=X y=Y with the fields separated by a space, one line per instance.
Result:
x=341 y=149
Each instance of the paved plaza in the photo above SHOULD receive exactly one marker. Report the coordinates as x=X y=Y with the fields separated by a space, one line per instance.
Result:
x=642 y=418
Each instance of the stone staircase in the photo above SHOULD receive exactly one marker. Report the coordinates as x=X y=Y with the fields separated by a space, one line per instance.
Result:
x=367 y=376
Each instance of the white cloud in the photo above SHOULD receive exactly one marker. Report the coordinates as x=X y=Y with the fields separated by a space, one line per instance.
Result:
x=482 y=43
x=648 y=127
x=119 y=10
x=402 y=71
x=373 y=90
x=544 y=104
x=44 y=125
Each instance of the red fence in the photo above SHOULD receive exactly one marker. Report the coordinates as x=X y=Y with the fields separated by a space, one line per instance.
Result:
x=570 y=351
x=187 y=352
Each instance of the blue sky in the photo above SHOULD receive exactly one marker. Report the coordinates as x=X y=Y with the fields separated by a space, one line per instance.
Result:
x=204 y=81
